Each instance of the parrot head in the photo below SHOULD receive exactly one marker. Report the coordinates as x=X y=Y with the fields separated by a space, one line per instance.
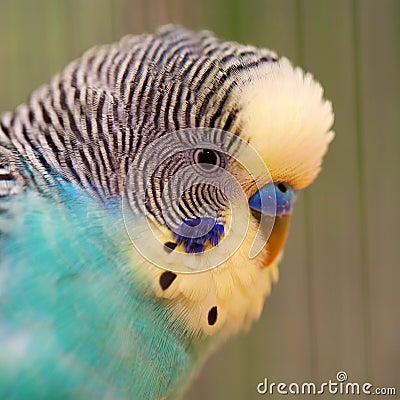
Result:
x=219 y=195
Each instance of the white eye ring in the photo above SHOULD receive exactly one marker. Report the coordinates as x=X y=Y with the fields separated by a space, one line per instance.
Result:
x=209 y=160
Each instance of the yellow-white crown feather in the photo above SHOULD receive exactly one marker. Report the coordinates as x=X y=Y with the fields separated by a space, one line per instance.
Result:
x=287 y=120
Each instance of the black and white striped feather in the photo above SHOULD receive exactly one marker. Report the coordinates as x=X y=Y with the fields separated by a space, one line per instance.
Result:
x=101 y=111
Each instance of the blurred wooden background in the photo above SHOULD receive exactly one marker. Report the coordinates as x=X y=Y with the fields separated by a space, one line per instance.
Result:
x=337 y=306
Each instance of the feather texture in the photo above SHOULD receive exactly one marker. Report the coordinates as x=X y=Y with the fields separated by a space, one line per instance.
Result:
x=82 y=313
x=75 y=319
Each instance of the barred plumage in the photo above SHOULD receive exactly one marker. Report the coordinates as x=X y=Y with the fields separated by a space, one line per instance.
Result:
x=89 y=123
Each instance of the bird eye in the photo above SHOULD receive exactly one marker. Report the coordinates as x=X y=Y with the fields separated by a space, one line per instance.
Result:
x=208 y=159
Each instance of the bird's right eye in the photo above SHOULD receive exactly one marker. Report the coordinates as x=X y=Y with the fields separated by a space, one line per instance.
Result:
x=209 y=160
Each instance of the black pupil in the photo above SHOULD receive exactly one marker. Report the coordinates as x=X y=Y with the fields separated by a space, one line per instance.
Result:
x=207 y=156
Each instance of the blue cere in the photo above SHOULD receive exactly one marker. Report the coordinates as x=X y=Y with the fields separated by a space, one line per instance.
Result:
x=195 y=232
x=263 y=200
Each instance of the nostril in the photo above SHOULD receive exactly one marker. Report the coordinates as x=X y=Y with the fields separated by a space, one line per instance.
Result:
x=281 y=187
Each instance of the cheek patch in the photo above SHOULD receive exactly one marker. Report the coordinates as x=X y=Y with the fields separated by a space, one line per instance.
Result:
x=194 y=233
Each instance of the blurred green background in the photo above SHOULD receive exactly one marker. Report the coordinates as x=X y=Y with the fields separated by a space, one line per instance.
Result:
x=337 y=305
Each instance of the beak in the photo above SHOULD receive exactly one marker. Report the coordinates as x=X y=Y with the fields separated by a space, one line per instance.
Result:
x=274 y=200
x=277 y=238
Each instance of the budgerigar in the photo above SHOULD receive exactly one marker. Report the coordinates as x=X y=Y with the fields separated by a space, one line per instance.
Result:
x=106 y=172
